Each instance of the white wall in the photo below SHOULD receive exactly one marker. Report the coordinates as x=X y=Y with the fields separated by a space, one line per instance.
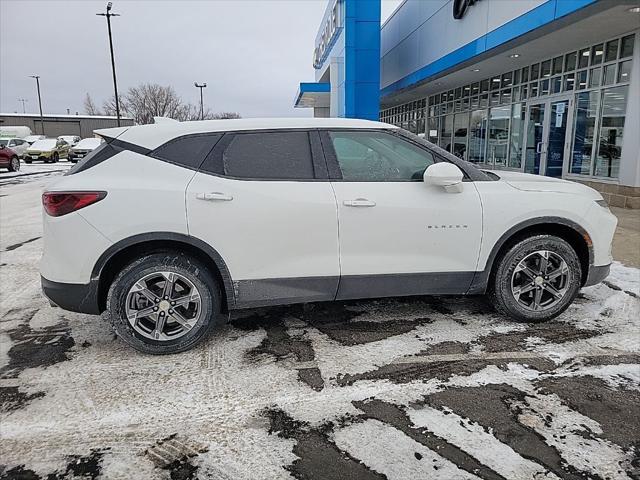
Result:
x=423 y=31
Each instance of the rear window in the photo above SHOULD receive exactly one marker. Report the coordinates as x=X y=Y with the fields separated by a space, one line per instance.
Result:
x=269 y=155
x=189 y=151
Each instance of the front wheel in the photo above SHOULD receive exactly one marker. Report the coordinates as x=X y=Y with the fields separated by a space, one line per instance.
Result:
x=14 y=164
x=164 y=303
x=536 y=279
x=55 y=158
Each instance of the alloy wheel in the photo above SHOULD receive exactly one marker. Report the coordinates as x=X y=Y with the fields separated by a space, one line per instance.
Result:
x=163 y=306
x=15 y=164
x=540 y=280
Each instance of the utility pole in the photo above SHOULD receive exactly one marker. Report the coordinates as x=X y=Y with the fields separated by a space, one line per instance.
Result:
x=37 y=77
x=201 y=86
x=113 y=62
x=23 y=100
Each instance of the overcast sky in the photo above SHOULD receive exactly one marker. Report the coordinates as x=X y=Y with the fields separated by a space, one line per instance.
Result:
x=252 y=54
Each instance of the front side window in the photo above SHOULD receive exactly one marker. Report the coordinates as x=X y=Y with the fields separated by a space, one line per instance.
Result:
x=370 y=156
x=269 y=155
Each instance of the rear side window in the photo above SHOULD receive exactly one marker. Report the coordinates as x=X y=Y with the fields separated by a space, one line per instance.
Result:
x=269 y=155
x=189 y=151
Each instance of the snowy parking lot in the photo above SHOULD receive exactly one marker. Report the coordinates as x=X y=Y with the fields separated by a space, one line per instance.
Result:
x=408 y=388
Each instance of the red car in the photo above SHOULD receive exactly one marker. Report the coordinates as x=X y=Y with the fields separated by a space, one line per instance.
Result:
x=9 y=159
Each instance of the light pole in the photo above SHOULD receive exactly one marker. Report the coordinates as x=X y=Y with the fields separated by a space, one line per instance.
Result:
x=113 y=62
x=37 y=77
x=23 y=100
x=201 y=86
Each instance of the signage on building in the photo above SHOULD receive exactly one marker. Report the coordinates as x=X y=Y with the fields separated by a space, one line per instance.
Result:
x=460 y=7
x=329 y=32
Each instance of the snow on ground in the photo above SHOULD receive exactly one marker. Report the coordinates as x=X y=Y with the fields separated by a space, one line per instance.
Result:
x=394 y=388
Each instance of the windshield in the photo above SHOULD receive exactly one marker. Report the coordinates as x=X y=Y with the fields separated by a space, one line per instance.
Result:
x=44 y=144
x=88 y=143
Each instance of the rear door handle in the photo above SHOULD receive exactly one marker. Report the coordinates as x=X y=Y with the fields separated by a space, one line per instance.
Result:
x=214 y=196
x=359 y=202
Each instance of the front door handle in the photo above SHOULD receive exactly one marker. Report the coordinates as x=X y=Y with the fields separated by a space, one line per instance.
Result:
x=359 y=202
x=214 y=196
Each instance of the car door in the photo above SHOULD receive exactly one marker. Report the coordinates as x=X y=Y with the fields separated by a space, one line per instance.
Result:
x=398 y=235
x=63 y=149
x=263 y=201
x=16 y=146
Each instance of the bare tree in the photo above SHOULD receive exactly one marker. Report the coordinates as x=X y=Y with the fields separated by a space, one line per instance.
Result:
x=149 y=100
x=109 y=106
x=90 y=108
x=226 y=115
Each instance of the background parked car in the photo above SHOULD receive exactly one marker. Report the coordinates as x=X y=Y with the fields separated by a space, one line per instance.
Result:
x=9 y=159
x=49 y=150
x=18 y=145
x=83 y=147
x=33 y=138
x=70 y=139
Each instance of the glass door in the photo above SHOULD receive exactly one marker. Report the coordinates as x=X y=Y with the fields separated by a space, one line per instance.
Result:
x=535 y=137
x=556 y=144
x=547 y=139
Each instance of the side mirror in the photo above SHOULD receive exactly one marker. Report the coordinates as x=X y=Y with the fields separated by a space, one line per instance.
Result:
x=1 y=146
x=446 y=175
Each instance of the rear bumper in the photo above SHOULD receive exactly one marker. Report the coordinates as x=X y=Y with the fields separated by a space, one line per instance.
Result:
x=597 y=274
x=74 y=297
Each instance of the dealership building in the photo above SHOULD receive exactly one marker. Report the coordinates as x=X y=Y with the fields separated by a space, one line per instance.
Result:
x=549 y=87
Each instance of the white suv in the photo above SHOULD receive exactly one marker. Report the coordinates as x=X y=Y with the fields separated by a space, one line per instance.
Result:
x=164 y=226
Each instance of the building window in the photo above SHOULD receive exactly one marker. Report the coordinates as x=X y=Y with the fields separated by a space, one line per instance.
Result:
x=445 y=134
x=485 y=121
x=584 y=130
x=460 y=129
x=432 y=129
x=612 y=117
x=516 y=136
x=477 y=136
x=498 y=135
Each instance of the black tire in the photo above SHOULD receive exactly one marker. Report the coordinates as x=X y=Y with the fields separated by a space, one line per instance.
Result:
x=500 y=288
x=170 y=261
x=55 y=158
x=14 y=164
x=27 y=161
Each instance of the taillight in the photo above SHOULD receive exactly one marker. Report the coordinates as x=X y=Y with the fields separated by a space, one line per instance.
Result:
x=57 y=204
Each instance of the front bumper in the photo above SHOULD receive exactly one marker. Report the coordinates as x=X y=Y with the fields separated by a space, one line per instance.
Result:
x=597 y=274
x=74 y=297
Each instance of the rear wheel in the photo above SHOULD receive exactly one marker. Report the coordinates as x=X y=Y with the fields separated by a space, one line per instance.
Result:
x=27 y=160
x=536 y=279
x=14 y=164
x=164 y=303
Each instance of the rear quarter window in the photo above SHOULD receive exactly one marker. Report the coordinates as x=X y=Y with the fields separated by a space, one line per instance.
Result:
x=100 y=154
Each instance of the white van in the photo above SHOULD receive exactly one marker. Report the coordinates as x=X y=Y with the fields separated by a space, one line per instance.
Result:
x=15 y=132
